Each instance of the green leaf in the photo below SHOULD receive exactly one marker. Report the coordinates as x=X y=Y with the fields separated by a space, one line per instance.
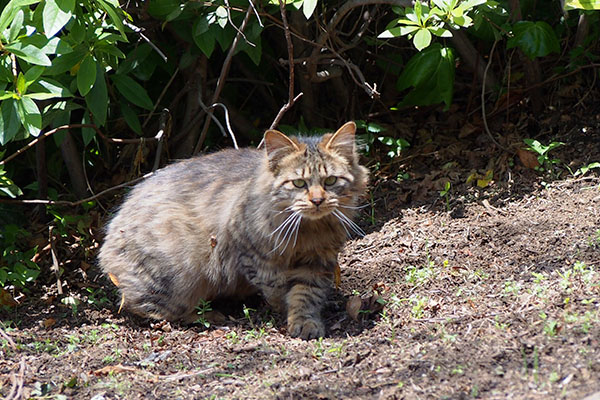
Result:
x=431 y=74
x=66 y=62
x=21 y=86
x=221 y=14
x=9 y=188
x=56 y=14
x=30 y=116
x=97 y=98
x=88 y=134
x=308 y=8
x=132 y=91
x=162 y=8
x=50 y=86
x=10 y=11
x=581 y=5
x=9 y=120
x=204 y=35
x=536 y=39
x=131 y=118
x=422 y=39
x=15 y=26
x=114 y=16
x=86 y=75
x=29 y=53
x=33 y=74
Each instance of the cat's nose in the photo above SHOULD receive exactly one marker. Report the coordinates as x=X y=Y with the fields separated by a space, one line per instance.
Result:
x=317 y=201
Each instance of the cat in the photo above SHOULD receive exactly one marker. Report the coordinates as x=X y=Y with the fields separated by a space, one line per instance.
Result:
x=237 y=222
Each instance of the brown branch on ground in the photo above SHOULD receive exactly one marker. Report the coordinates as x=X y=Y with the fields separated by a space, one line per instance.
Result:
x=17 y=380
x=221 y=81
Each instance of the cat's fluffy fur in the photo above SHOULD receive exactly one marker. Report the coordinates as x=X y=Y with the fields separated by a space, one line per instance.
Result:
x=236 y=222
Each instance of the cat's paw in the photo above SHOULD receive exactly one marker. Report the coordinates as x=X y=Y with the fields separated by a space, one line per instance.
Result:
x=306 y=328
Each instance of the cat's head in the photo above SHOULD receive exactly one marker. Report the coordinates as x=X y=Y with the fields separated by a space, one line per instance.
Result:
x=315 y=176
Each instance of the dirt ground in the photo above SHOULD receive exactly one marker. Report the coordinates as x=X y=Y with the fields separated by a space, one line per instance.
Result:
x=486 y=292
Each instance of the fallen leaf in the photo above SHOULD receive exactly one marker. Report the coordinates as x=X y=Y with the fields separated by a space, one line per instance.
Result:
x=113 y=279
x=48 y=323
x=353 y=307
x=114 y=369
x=528 y=159
x=337 y=276
x=6 y=299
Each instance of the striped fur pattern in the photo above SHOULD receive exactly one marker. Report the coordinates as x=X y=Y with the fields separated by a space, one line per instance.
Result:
x=237 y=222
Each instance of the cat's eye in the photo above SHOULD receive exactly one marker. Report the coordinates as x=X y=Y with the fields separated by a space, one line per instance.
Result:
x=299 y=183
x=330 y=180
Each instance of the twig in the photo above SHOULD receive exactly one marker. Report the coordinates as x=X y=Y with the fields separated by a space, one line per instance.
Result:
x=8 y=339
x=71 y=126
x=17 y=380
x=234 y=26
x=221 y=81
x=139 y=32
x=227 y=123
x=162 y=94
x=78 y=202
x=485 y=124
x=290 y=49
x=55 y=267
x=162 y=123
x=256 y=13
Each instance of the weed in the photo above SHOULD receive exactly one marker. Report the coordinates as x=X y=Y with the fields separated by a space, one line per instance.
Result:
x=418 y=276
x=594 y=240
x=546 y=163
x=16 y=267
x=203 y=308
x=445 y=194
x=418 y=306
x=551 y=327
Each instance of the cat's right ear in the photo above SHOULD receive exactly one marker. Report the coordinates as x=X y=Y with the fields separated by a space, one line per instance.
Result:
x=278 y=146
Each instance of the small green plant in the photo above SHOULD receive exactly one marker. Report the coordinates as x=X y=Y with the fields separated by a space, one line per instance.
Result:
x=203 y=308
x=551 y=327
x=418 y=306
x=445 y=194
x=16 y=267
x=546 y=163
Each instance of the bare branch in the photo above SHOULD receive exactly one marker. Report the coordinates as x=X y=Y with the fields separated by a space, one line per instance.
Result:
x=290 y=49
x=78 y=202
x=221 y=81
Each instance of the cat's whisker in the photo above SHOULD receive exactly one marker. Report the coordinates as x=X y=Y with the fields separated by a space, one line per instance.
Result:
x=354 y=207
x=297 y=229
x=292 y=232
x=342 y=223
x=283 y=229
x=283 y=224
x=287 y=209
x=287 y=233
x=355 y=228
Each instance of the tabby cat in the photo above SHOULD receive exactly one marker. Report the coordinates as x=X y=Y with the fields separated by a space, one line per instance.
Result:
x=237 y=222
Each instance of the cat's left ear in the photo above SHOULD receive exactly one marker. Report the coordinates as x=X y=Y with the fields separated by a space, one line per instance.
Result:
x=342 y=141
x=278 y=146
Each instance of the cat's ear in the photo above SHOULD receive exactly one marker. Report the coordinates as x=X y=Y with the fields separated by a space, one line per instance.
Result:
x=342 y=141
x=278 y=146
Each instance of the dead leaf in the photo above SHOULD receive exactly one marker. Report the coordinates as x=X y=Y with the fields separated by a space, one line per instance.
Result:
x=6 y=299
x=48 y=323
x=113 y=279
x=528 y=159
x=353 y=307
x=114 y=369
x=337 y=276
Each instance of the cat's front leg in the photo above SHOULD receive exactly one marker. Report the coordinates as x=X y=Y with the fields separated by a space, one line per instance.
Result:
x=304 y=302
